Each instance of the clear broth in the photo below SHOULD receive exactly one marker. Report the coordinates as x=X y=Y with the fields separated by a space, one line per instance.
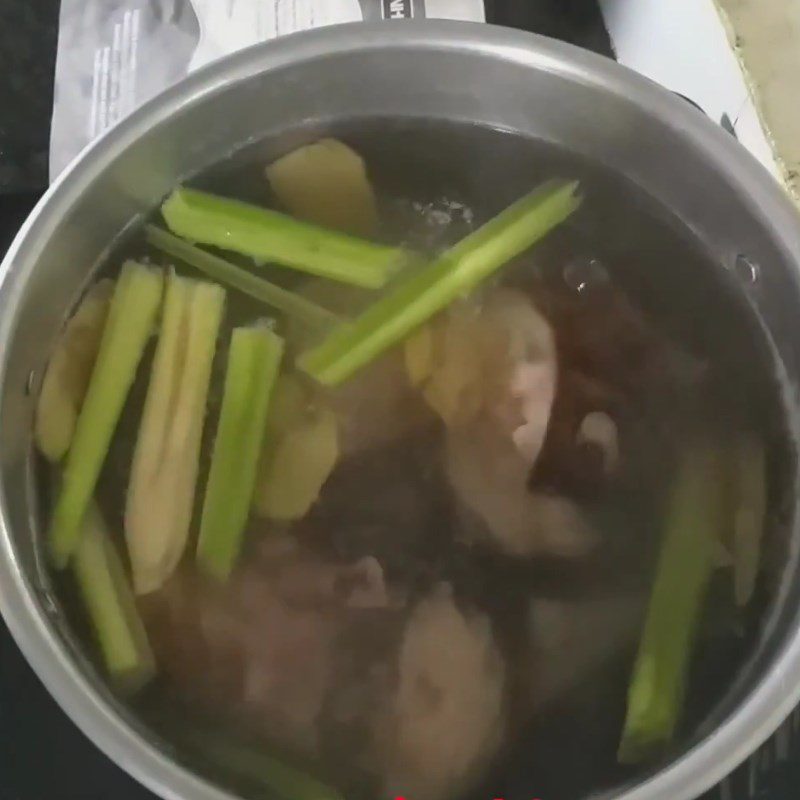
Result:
x=426 y=175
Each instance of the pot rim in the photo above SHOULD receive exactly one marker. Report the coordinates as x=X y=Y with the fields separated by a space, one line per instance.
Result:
x=777 y=692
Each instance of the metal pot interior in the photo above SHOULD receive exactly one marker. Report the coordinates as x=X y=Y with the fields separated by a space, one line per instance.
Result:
x=502 y=111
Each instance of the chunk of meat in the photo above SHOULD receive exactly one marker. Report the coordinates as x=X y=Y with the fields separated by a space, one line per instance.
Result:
x=446 y=721
x=616 y=369
x=495 y=356
x=326 y=182
x=391 y=504
x=260 y=648
x=524 y=396
x=490 y=478
x=569 y=640
x=378 y=406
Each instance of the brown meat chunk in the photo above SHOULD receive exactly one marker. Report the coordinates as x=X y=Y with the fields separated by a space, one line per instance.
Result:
x=613 y=361
x=490 y=478
x=446 y=722
x=260 y=648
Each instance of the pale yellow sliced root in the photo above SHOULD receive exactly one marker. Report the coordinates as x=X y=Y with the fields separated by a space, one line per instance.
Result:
x=447 y=360
x=420 y=355
x=750 y=502
x=301 y=448
x=68 y=371
x=166 y=460
x=326 y=183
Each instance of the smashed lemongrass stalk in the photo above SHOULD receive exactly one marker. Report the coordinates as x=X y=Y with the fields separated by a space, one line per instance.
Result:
x=274 y=237
x=749 y=489
x=253 y=361
x=166 y=459
x=109 y=603
x=459 y=270
x=301 y=449
x=254 y=765
x=295 y=306
x=693 y=522
x=69 y=369
x=130 y=321
x=326 y=183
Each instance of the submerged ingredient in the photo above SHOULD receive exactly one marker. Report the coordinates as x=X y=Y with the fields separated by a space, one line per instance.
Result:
x=455 y=273
x=253 y=361
x=414 y=512
x=750 y=502
x=326 y=183
x=274 y=237
x=166 y=460
x=67 y=376
x=119 y=630
x=445 y=723
x=130 y=321
x=300 y=451
x=693 y=524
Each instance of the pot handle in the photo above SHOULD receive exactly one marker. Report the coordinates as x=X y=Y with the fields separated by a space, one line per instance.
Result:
x=725 y=120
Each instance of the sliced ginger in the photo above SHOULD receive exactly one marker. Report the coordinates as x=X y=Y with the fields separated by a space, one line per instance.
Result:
x=166 y=459
x=326 y=183
x=68 y=371
x=301 y=448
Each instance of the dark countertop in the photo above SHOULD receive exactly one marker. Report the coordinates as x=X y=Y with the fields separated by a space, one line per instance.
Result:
x=28 y=35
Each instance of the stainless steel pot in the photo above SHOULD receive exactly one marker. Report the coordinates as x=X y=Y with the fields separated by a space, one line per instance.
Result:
x=454 y=72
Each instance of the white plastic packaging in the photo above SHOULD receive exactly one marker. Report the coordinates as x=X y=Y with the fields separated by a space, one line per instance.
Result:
x=115 y=54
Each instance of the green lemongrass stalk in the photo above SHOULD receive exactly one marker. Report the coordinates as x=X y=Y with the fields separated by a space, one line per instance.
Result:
x=253 y=361
x=166 y=459
x=693 y=520
x=455 y=273
x=278 y=238
x=255 y=765
x=218 y=269
x=110 y=606
x=130 y=321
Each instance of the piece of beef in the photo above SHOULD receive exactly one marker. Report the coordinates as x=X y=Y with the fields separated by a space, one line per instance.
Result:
x=260 y=648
